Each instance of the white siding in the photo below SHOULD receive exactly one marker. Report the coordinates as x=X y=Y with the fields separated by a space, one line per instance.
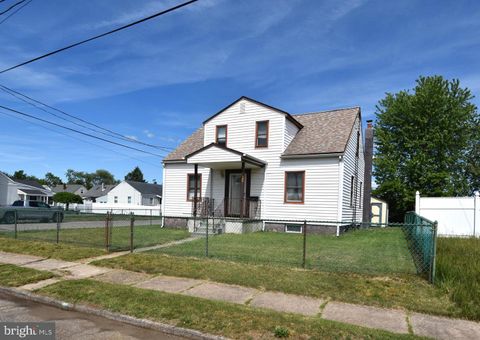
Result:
x=352 y=167
x=175 y=188
x=322 y=178
x=123 y=191
x=290 y=132
x=213 y=154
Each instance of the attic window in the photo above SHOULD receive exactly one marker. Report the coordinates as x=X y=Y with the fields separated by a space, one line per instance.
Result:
x=221 y=135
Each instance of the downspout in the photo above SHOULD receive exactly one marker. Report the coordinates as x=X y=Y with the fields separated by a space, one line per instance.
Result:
x=340 y=194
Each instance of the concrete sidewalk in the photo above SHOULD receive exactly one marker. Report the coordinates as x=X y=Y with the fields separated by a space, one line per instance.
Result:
x=393 y=320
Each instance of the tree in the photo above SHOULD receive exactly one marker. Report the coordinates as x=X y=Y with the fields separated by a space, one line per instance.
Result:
x=22 y=175
x=135 y=175
x=67 y=198
x=51 y=180
x=425 y=141
x=89 y=179
x=102 y=176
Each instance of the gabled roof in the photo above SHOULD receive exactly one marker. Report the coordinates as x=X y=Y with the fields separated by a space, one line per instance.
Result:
x=67 y=188
x=324 y=132
x=288 y=115
x=29 y=182
x=243 y=156
x=146 y=188
x=96 y=191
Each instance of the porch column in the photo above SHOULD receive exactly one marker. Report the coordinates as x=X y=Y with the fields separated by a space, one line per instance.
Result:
x=242 y=191
x=195 y=190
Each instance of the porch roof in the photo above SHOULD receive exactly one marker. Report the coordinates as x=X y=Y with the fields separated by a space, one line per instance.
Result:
x=216 y=156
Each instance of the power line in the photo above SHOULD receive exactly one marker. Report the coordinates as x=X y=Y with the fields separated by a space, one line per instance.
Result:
x=15 y=12
x=79 y=132
x=171 y=9
x=12 y=7
x=110 y=133
x=79 y=139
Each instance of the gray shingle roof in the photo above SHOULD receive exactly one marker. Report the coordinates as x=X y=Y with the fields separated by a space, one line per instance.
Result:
x=96 y=191
x=322 y=133
x=146 y=188
x=66 y=187
x=29 y=182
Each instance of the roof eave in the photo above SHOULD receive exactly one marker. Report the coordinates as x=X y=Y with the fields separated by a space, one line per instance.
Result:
x=312 y=155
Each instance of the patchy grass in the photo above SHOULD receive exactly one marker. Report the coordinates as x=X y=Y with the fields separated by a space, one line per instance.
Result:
x=49 y=250
x=406 y=291
x=95 y=237
x=458 y=273
x=231 y=320
x=373 y=251
x=14 y=276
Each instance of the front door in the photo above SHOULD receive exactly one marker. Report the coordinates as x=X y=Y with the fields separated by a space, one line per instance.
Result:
x=233 y=191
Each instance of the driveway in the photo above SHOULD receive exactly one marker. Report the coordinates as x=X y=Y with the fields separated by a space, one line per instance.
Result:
x=72 y=325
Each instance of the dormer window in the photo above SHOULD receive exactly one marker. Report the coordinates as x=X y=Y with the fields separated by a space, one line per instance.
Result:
x=221 y=135
x=261 y=134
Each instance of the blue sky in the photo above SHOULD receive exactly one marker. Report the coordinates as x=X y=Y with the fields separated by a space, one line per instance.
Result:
x=158 y=81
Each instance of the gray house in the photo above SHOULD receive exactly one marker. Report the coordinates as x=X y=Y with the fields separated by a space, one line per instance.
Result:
x=98 y=193
x=76 y=189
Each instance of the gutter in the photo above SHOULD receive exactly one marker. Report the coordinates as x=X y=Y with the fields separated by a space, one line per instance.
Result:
x=312 y=155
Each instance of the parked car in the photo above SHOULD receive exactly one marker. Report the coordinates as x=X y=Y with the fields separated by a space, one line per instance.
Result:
x=31 y=211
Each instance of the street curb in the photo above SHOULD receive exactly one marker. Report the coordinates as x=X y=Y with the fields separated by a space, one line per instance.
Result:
x=143 y=323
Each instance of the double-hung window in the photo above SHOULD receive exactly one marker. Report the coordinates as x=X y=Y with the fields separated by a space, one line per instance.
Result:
x=261 y=134
x=191 y=187
x=294 y=186
x=221 y=135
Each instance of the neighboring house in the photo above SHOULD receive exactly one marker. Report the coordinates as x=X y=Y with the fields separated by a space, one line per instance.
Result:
x=12 y=190
x=252 y=160
x=76 y=189
x=136 y=193
x=98 y=193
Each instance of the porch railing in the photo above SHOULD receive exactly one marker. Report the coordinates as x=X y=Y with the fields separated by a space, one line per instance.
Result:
x=227 y=207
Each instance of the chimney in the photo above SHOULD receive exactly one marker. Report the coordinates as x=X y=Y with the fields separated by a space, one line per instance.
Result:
x=64 y=186
x=368 y=156
x=103 y=187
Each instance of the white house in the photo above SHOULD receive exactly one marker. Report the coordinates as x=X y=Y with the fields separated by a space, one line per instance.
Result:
x=136 y=193
x=12 y=190
x=98 y=193
x=251 y=160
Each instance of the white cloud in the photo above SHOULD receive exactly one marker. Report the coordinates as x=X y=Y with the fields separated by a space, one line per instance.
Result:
x=148 y=133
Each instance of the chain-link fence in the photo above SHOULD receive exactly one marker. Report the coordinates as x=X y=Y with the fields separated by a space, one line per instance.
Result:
x=421 y=235
x=372 y=249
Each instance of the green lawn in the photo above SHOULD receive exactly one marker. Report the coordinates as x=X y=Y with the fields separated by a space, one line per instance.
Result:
x=230 y=320
x=458 y=273
x=95 y=237
x=404 y=291
x=60 y=251
x=374 y=251
x=73 y=217
x=14 y=276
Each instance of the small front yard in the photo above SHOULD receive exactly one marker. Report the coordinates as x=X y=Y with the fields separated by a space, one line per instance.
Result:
x=374 y=251
x=226 y=319
x=60 y=251
x=143 y=236
x=14 y=276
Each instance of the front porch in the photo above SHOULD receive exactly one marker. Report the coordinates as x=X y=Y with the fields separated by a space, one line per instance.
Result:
x=231 y=204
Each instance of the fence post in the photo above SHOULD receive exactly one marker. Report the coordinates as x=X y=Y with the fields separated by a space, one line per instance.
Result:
x=304 y=243
x=434 y=253
x=58 y=227
x=16 y=221
x=206 y=241
x=132 y=221
x=106 y=231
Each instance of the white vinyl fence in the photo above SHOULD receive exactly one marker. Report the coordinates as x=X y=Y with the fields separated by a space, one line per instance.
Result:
x=102 y=208
x=456 y=216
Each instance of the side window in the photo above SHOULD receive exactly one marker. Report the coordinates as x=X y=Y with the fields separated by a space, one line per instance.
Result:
x=115 y=199
x=294 y=187
x=17 y=204
x=221 y=135
x=191 y=186
x=129 y=199
x=261 y=134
